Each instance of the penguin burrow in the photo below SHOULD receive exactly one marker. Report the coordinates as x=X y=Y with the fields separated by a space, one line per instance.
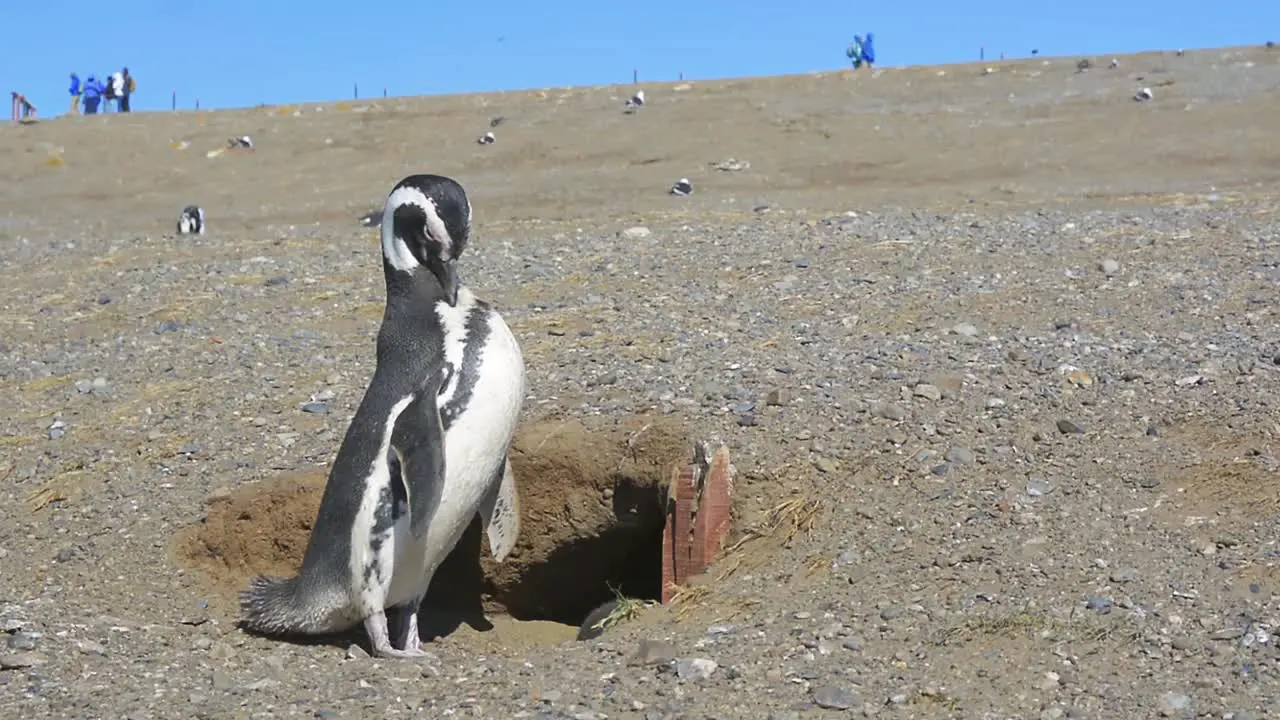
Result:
x=592 y=514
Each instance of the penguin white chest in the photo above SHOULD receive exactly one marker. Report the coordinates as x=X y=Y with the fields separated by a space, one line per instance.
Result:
x=479 y=408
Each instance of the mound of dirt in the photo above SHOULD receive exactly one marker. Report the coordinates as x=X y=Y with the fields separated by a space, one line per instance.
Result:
x=592 y=505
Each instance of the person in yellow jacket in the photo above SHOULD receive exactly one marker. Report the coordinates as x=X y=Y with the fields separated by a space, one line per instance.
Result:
x=129 y=87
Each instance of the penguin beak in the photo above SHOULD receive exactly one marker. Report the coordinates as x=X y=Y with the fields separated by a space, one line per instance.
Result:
x=446 y=271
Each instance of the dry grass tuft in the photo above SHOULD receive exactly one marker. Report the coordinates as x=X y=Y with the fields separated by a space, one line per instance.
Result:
x=687 y=598
x=788 y=519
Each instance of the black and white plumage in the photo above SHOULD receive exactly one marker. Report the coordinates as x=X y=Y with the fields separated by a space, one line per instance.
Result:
x=682 y=187
x=635 y=102
x=426 y=450
x=191 y=221
x=486 y=139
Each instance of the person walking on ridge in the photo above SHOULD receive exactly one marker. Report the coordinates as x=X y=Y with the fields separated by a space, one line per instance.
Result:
x=74 y=90
x=129 y=87
x=869 y=50
x=854 y=52
x=92 y=95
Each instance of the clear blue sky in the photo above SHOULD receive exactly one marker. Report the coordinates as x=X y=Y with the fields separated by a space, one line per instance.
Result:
x=240 y=53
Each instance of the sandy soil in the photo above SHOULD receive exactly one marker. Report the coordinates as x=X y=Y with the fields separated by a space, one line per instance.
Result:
x=996 y=353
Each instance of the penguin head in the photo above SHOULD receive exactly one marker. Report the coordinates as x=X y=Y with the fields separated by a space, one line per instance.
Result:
x=426 y=224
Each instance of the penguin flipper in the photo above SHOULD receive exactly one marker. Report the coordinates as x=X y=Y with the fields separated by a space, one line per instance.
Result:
x=418 y=440
x=500 y=513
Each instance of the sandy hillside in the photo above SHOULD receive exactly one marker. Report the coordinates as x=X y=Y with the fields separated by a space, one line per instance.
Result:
x=996 y=354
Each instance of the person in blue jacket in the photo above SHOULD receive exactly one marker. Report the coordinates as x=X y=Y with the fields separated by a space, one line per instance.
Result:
x=868 y=50
x=74 y=90
x=92 y=95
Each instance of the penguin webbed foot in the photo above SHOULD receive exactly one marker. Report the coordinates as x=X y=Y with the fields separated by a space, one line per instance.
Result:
x=406 y=622
x=376 y=626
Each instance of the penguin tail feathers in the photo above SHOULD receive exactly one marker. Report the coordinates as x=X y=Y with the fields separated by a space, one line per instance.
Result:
x=282 y=606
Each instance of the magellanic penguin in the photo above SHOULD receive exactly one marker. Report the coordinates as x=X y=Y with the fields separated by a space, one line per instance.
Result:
x=191 y=221
x=426 y=450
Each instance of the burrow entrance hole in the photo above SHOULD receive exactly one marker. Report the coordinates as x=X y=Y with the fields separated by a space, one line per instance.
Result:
x=592 y=509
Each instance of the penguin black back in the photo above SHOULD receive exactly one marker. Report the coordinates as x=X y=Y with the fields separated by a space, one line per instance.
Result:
x=425 y=226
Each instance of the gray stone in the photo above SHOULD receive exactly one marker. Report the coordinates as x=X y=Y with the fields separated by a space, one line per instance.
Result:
x=825 y=465
x=927 y=391
x=695 y=668
x=23 y=641
x=889 y=411
x=1109 y=266
x=1124 y=575
x=89 y=647
x=1173 y=703
x=832 y=697
x=1070 y=427
x=1038 y=487
x=17 y=661
x=959 y=455
x=653 y=652
x=636 y=233
x=1099 y=603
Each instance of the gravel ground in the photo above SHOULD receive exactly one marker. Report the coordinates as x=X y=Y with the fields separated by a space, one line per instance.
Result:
x=1006 y=431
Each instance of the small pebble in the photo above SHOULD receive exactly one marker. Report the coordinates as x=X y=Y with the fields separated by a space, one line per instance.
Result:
x=89 y=647
x=23 y=641
x=1173 y=703
x=1038 y=487
x=1101 y=604
x=890 y=412
x=1124 y=575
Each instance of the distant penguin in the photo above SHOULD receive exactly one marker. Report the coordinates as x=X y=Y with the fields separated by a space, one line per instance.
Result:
x=487 y=139
x=191 y=221
x=1143 y=95
x=682 y=187
x=635 y=102
x=426 y=451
